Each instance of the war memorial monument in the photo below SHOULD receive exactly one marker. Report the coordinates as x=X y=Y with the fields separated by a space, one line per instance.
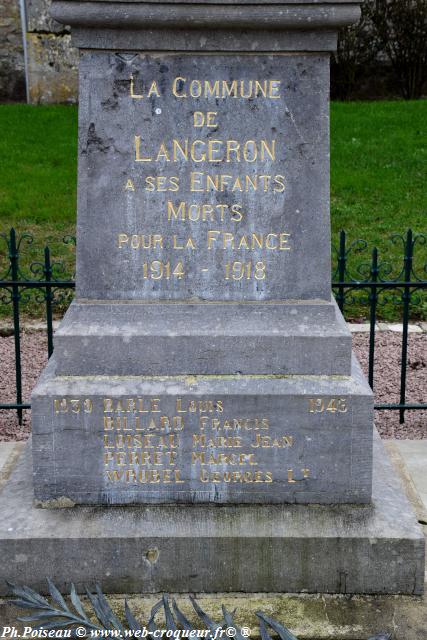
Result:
x=203 y=424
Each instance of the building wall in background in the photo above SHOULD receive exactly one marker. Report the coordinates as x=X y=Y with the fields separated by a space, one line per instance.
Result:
x=12 y=66
x=52 y=61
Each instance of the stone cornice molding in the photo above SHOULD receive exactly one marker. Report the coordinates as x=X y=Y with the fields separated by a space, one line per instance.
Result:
x=270 y=16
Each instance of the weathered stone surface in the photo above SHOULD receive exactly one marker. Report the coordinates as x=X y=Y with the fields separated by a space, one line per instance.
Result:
x=238 y=439
x=51 y=60
x=52 y=68
x=291 y=548
x=9 y=454
x=227 y=26
x=12 y=68
x=204 y=39
x=175 y=339
x=39 y=19
x=311 y=16
x=264 y=232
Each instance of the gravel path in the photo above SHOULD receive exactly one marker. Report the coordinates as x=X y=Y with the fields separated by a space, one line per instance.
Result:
x=386 y=382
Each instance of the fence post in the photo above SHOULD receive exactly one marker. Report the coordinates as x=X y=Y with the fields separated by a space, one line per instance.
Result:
x=48 y=297
x=406 y=296
x=342 y=265
x=373 y=299
x=14 y=265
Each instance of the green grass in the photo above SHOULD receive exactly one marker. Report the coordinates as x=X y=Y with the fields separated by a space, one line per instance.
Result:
x=378 y=167
x=378 y=175
x=379 y=185
x=38 y=161
x=38 y=170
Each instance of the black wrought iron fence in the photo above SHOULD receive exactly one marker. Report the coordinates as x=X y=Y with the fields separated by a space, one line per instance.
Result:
x=17 y=283
x=387 y=283
x=363 y=287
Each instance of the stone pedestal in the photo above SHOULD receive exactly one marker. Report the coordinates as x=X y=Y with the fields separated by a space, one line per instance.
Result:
x=203 y=360
x=376 y=548
x=187 y=439
x=275 y=338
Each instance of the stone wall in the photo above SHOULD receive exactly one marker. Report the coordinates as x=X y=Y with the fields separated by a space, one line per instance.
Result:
x=52 y=62
x=12 y=68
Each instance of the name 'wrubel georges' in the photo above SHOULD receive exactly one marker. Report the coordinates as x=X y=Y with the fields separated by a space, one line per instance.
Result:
x=204 y=361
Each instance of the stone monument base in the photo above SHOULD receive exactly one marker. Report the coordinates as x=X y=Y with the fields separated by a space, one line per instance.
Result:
x=308 y=337
x=375 y=549
x=123 y=440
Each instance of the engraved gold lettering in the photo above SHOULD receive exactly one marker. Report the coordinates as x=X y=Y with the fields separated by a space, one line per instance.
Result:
x=138 y=157
x=269 y=442
x=252 y=242
x=201 y=119
x=205 y=182
x=246 y=89
x=198 y=151
x=153 y=90
x=136 y=96
x=331 y=405
x=235 y=476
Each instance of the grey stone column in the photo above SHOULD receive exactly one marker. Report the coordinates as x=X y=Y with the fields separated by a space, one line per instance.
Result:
x=203 y=359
